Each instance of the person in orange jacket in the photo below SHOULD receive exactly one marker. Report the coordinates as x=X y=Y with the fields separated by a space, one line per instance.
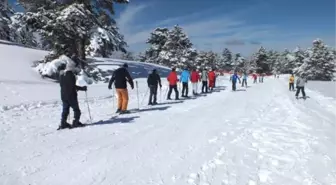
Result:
x=291 y=82
x=173 y=80
x=212 y=76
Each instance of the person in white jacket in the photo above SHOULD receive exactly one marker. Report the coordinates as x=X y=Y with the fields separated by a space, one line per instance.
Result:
x=300 y=83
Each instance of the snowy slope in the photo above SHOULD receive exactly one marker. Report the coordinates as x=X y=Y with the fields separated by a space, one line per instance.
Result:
x=258 y=135
x=22 y=87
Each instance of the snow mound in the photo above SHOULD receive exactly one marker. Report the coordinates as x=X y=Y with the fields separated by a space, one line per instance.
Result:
x=50 y=68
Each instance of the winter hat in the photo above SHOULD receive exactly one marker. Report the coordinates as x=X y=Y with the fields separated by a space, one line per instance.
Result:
x=125 y=65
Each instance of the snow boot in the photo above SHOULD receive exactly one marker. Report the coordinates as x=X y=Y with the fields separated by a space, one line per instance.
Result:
x=118 y=110
x=125 y=112
x=150 y=103
x=76 y=123
x=155 y=103
x=64 y=125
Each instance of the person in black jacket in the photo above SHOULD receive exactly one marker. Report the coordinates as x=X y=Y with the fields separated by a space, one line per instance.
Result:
x=153 y=81
x=120 y=78
x=69 y=97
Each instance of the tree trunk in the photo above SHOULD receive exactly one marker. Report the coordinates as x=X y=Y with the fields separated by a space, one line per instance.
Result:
x=81 y=48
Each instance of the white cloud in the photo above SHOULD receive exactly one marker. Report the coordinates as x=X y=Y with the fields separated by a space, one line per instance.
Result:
x=212 y=33
x=126 y=19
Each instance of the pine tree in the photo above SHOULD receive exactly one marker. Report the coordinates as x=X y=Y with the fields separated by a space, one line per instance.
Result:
x=288 y=61
x=176 y=47
x=299 y=58
x=105 y=39
x=202 y=60
x=22 y=33
x=271 y=59
x=170 y=48
x=227 y=59
x=238 y=62
x=5 y=13
x=68 y=25
x=320 y=65
x=156 y=41
x=261 y=59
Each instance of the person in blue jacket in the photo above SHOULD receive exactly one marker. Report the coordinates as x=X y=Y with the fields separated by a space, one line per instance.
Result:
x=234 y=79
x=184 y=79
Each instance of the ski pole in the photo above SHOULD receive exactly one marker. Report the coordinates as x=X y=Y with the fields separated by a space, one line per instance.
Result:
x=87 y=102
x=160 y=95
x=113 y=98
x=144 y=96
x=137 y=94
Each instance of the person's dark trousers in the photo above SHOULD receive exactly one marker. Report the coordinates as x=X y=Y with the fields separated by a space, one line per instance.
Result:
x=171 y=87
x=153 y=94
x=184 y=89
x=234 y=85
x=255 y=81
x=291 y=86
x=204 y=86
x=215 y=82
x=244 y=82
x=298 y=91
x=66 y=108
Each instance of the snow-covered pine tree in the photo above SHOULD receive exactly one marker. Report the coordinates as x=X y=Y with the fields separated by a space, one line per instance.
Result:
x=202 y=60
x=22 y=33
x=218 y=61
x=156 y=42
x=176 y=48
x=67 y=25
x=227 y=59
x=288 y=61
x=299 y=58
x=105 y=38
x=249 y=65
x=238 y=62
x=5 y=13
x=321 y=63
x=278 y=65
x=261 y=59
x=189 y=57
x=271 y=59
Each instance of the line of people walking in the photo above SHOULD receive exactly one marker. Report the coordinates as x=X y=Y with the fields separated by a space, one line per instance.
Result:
x=120 y=78
x=208 y=80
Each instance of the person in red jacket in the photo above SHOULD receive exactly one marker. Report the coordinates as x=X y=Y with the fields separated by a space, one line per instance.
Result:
x=173 y=80
x=195 y=78
x=254 y=78
x=212 y=76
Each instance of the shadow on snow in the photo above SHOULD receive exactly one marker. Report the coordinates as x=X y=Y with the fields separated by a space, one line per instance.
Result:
x=122 y=120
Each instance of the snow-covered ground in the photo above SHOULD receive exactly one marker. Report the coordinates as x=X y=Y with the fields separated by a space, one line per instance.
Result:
x=258 y=135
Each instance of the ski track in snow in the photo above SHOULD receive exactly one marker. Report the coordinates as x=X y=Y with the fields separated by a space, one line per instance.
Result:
x=259 y=136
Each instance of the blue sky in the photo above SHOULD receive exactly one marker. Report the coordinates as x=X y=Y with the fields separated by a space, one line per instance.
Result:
x=241 y=25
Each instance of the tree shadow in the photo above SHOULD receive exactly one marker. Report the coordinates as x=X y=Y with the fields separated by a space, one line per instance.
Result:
x=121 y=120
x=241 y=90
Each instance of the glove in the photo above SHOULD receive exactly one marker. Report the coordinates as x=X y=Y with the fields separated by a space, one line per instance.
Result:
x=160 y=86
x=109 y=87
x=84 y=88
x=132 y=86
